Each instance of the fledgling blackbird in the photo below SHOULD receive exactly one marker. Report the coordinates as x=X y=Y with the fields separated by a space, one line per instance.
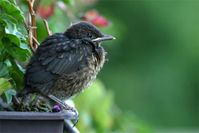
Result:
x=66 y=63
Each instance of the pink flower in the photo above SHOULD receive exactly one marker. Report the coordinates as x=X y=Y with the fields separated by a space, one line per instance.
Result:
x=46 y=12
x=95 y=18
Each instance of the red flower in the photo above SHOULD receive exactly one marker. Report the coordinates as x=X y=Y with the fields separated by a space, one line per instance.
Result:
x=95 y=18
x=46 y=12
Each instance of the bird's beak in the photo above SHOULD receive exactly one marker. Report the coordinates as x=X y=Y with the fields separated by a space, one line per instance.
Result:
x=104 y=38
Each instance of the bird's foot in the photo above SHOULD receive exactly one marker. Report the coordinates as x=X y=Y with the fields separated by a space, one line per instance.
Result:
x=66 y=107
x=76 y=114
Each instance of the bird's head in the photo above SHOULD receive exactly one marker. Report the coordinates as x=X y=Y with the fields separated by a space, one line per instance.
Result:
x=84 y=30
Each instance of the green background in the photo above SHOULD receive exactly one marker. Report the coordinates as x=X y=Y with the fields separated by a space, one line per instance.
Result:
x=152 y=72
x=153 y=64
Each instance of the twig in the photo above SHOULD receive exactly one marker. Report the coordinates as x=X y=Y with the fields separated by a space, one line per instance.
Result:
x=35 y=40
x=47 y=27
x=32 y=26
x=29 y=35
x=36 y=4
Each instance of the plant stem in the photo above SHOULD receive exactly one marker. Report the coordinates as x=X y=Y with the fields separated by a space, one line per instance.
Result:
x=47 y=27
x=32 y=26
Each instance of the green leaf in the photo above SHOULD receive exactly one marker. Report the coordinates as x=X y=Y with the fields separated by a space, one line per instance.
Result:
x=3 y=53
x=18 y=53
x=13 y=1
x=11 y=9
x=11 y=28
x=8 y=94
x=17 y=74
x=10 y=38
x=8 y=18
x=11 y=44
x=3 y=70
x=24 y=45
x=4 y=84
x=2 y=28
x=69 y=2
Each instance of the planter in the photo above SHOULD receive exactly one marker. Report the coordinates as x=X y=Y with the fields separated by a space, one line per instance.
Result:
x=32 y=122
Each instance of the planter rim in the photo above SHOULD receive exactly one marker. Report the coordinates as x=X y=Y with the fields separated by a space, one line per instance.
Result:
x=9 y=115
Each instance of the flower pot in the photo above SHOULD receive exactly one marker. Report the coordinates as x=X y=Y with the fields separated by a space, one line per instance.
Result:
x=32 y=122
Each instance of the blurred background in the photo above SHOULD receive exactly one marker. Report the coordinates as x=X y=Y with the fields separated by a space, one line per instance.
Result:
x=152 y=65
x=150 y=82
x=152 y=71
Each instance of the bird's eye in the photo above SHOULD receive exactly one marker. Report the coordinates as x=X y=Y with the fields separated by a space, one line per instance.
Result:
x=89 y=35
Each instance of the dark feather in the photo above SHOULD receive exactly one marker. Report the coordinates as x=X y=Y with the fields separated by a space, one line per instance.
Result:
x=57 y=55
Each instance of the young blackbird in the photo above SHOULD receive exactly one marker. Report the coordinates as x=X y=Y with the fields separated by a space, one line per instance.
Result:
x=66 y=63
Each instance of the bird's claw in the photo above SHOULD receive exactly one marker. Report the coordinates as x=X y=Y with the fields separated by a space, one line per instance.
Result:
x=76 y=114
x=76 y=117
x=65 y=107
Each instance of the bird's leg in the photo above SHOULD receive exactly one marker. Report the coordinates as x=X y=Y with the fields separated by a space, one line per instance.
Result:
x=65 y=106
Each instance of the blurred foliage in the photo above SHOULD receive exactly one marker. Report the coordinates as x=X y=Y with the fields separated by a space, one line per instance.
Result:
x=153 y=66
x=98 y=112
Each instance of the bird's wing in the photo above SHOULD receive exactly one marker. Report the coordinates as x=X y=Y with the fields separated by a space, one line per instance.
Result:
x=56 y=56
x=61 y=55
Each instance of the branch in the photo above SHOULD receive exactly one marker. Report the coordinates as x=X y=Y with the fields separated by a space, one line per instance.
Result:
x=32 y=26
x=29 y=37
x=35 y=40
x=47 y=27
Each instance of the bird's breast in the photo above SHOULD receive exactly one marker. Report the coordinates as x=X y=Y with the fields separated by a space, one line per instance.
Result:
x=100 y=56
x=70 y=84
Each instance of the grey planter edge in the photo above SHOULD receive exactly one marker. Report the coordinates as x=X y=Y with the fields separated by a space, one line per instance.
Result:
x=35 y=122
x=35 y=115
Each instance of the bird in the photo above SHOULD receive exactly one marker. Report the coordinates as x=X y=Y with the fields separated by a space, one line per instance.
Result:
x=66 y=63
